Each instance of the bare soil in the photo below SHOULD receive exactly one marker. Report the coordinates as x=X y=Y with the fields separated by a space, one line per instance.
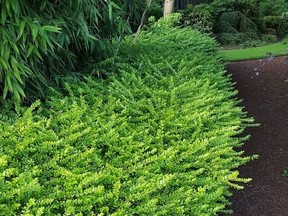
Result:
x=263 y=87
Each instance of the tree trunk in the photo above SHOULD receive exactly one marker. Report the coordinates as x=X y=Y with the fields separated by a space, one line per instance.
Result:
x=168 y=7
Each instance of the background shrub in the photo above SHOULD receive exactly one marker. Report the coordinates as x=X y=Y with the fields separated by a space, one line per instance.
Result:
x=271 y=13
x=272 y=21
x=235 y=39
x=272 y=8
x=155 y=10
x=159 y=139
x=249 y=8
x=198 y=17
x=232 y=22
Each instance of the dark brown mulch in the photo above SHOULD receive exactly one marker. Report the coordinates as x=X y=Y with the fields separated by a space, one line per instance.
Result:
x=262 y=86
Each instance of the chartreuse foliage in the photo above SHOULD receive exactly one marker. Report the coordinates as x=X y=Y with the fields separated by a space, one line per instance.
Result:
x=159 y=139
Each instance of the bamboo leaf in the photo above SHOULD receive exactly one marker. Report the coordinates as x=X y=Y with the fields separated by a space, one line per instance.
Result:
x=16 y=94
x=15 y=6
x=15 y=48
x=19 y=89
x=8 y=82
x=16 y=73
x=30 y=50
x=34 y=29
x=43 y=45
x=110 y=8
x=4 y=63
x=5 y=91
x=21 y=29
x=54 y=29
x=37 y=53
x=115 y=5
x=3 y=15
x=7 y=5
x=7 y=53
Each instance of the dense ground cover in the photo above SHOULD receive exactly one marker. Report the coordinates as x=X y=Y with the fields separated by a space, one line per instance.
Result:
x=159 y=137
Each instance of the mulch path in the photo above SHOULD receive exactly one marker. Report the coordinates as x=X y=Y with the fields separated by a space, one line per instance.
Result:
x=262 y=86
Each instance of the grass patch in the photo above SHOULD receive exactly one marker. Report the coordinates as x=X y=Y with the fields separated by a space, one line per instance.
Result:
x=277 y=49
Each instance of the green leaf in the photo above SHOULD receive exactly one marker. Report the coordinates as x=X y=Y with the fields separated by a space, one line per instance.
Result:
x=8 y=82
x=15 y=48
x=51 y=29
x=15 y=6
x=36 y=52
x=5 y=91
x=4 y=63
x=19 y=89
x=110 y=10
x=7 y=53
x=16 y=70
x=3 y=15
x=16 y=95
x=48 y=41
x=30 y=50
x=21 y=30
x=7 y=5
x=34 y=29
x=115 y=5
x=43 y=45
x=92 y=37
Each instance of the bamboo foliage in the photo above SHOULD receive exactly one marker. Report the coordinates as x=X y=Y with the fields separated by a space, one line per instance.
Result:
x=22 y=46
x=40 y=39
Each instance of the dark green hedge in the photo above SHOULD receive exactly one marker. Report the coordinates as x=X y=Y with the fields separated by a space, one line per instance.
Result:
x=159 y=139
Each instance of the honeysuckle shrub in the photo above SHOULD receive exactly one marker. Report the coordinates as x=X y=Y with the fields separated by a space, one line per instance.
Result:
x=158 y=138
